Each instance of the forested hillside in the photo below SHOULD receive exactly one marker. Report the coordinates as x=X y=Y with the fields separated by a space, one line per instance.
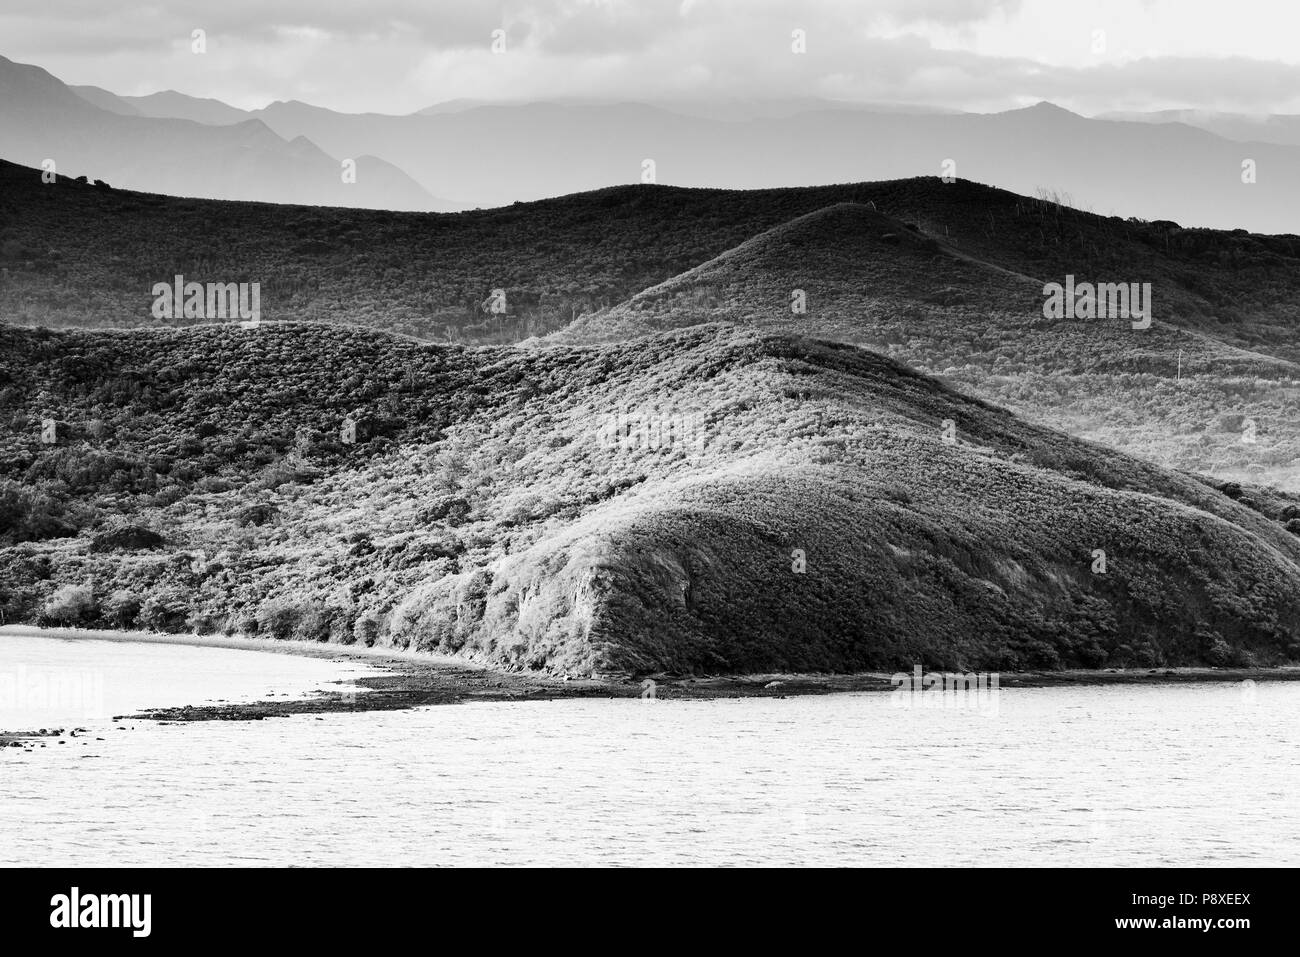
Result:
x=1165 y=391
x=700 y=500
x=80 y=256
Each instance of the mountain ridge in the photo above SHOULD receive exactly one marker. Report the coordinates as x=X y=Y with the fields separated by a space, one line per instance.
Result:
x=45 y=120
x=494 y=153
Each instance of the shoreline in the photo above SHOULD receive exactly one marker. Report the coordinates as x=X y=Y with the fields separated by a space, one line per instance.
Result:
x=408 y=679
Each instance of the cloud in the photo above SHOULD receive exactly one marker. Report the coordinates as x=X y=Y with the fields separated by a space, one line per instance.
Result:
x=401 y=55
x=589 y=27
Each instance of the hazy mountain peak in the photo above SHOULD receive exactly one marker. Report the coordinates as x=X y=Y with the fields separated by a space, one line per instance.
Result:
x=208 y=149
x=170 y=103
x=27 y=88
x=291 y=106
x=1046 y=109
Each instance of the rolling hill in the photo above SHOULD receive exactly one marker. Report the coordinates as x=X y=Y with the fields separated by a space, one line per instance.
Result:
x=84 y=257
x=703 y=500
x=1174 y=394
x=849 y=262
x=946 y=277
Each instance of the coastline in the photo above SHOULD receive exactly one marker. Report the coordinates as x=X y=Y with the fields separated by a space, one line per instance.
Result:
x=408 y=679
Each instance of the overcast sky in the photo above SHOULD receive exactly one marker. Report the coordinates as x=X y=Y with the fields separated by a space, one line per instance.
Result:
x=395 y=56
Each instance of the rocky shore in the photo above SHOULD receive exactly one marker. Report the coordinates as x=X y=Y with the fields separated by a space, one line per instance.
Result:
x=409 y=680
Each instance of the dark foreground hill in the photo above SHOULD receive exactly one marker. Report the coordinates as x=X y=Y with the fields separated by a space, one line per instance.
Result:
x=702 y=500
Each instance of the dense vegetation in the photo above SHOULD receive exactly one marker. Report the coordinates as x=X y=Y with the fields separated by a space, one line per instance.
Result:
x=77 y=256
x=1170 y=394
x=826 y=507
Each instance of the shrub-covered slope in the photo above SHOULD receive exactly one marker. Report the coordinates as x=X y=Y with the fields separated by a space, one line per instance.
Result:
x=701 y=500
x=922 y=270
x=73 y=255
x=1169 y=393
x=834 y=270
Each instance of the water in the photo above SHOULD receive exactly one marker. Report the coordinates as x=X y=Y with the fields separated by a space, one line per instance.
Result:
x=1139 y=775
x=54 y=681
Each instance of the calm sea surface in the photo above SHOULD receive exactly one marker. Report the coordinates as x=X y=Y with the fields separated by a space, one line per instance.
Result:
x=1178 y=775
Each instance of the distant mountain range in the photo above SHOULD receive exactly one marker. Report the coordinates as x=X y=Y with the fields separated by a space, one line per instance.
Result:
x=42 y=119
x=1282 y=129
x=494 y=155
x=1184 y=166
x=166 y=105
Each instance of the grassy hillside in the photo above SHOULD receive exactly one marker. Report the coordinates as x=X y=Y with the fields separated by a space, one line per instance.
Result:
x=1168 y=393
x=849 y=255
x=78 y=256
x=701 y=500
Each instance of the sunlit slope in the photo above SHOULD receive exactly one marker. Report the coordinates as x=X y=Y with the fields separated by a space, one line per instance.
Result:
x=703 y=500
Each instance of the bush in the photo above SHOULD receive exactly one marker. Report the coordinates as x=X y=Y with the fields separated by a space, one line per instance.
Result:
x=256 y=515
x=30 y=514
x=12 y=606
x=1219 y=653
x=168 y=496
x=128 y=537
x=341 y=622
x=241 y=623
x=70 y=604
x=366 y=629
x=277 y=618
x=203 y=623
x=121 y=608
x=314 y=622
x=165 y=611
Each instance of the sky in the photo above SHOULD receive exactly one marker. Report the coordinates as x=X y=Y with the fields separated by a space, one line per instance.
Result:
x=396 y=56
